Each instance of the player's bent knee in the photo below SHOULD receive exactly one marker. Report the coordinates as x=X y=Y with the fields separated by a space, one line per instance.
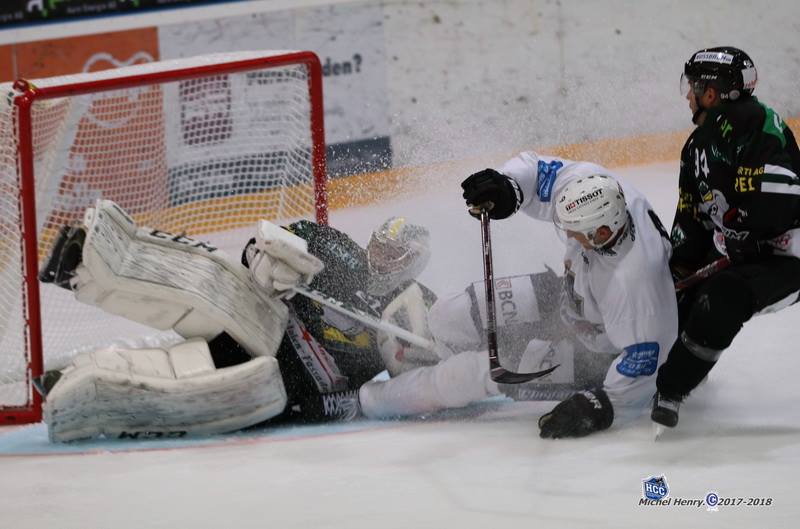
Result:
x=451 y=323
x=156 y=393
x=723 y=305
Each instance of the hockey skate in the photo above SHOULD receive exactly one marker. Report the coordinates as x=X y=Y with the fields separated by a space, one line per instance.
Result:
x=664 y=414
x=65 y=256
x=343 y=406
x=665 y=411
x=45 y=383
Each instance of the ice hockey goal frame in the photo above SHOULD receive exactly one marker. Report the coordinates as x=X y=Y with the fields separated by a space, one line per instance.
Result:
x=201 y=146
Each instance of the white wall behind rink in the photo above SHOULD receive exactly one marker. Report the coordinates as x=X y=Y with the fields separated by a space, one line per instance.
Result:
x=466 y=77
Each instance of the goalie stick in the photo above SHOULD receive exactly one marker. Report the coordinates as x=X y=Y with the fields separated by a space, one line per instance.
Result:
x=365 y=318
x=496 y=371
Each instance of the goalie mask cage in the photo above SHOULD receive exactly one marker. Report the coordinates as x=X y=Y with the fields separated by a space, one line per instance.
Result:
x=201 y=146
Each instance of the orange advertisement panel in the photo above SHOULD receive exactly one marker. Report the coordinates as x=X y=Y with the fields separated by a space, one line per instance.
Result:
x=105 y=144
x=6 y=63
x=46 y=58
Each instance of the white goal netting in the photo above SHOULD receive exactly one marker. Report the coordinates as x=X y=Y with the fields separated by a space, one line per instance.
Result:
x=201 y=146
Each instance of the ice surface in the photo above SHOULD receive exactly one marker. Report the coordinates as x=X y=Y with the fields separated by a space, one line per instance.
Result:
x=739 y=435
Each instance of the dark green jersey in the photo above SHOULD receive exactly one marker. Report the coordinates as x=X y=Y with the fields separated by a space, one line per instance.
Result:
x=325 y=351
x=738 y=177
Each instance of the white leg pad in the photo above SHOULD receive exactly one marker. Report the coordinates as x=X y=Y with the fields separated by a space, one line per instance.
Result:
x=167 y=281
x=124 y=393
x=452 y=383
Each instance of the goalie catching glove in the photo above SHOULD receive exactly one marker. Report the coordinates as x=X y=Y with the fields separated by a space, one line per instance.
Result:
x=581 y=414
x=279 y=260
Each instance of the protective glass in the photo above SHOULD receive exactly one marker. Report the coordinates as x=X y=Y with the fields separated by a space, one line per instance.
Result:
x=685 y=86
x=689 y=83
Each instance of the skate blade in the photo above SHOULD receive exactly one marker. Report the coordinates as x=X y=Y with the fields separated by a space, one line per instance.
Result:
x=658 y=431
x=38 y=385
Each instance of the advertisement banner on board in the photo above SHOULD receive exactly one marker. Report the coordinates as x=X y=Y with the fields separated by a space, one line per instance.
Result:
x=349 y=41
x=78 y=171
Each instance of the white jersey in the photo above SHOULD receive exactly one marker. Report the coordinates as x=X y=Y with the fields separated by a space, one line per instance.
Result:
x=621 y=299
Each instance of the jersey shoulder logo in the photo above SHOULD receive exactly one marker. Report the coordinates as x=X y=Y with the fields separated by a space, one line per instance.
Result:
x=774 y=125
x=546 y=178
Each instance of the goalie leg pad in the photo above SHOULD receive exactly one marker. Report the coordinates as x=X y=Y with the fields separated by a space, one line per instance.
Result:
x=124 y=393
x=166 y=281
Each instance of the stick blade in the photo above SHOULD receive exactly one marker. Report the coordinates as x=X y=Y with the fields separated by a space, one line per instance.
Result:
x=503 y=376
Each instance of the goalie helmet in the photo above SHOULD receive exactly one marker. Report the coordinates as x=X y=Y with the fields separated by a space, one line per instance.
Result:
x=728 y=69
x=397 y=252
x=588 y=203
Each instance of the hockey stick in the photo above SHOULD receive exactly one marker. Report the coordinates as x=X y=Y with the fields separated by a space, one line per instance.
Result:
x=704 y=273
x=496 y=371
x=365 y=318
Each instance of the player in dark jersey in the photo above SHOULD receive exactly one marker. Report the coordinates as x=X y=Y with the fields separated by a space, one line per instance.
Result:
x=739 y=195
x=366 y=279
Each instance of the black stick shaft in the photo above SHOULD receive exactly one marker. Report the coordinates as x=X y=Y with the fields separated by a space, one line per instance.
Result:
x=496 y=371
x=704 y=273
x=488 y=277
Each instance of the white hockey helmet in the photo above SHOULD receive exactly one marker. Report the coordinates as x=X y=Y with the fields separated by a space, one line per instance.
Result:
x=397 y=252
x=588 y=203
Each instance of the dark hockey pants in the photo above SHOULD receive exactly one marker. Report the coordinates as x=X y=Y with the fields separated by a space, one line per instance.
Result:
x=712 y=314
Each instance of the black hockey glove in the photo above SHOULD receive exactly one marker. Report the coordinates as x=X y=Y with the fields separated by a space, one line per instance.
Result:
x=741 y=245
x=489 y=186
x=746 y=250
x=578 y=416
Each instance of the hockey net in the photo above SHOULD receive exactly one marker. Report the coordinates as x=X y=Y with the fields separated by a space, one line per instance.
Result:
x=202 y=146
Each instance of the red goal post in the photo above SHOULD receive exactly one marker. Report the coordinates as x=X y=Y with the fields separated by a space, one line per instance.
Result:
x=201 y=146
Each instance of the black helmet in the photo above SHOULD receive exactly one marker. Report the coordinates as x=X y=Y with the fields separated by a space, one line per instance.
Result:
x=728 y=69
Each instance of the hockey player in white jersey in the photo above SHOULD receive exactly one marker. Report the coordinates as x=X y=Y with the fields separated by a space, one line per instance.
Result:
x=618 y=295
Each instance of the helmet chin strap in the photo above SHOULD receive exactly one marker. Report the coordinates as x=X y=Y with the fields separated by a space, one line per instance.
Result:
x=700 y=107
x=696 y=115
x=613 y=241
